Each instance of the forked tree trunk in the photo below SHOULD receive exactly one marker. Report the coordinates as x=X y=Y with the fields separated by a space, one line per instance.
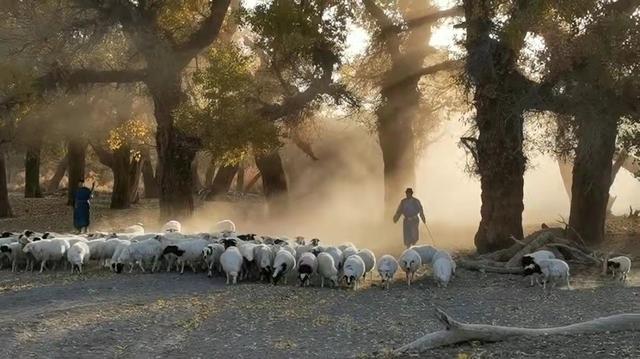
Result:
x=274 y=181
x=592 y=177
x=151 y=189
x=5 y=205
x=61 y=169
x=76 y=153
x=222 y=181
x=32 y=170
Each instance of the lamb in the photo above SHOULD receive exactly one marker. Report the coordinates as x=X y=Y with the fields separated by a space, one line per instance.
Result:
x=47 y=250
x=77 y=255
x=619 y=266
x=353 y=270
x=443 y=270
x=426 y=253
x=187 y=251
x=14 y=252
x=369 y=260
x=410 y=262
x=231 y=260
x=172 y=226
x=211 y=255
x=283 y=263
x=307 y=265
x=327 y=269
x=535 y=257
x=387 y=267
x=552 y=270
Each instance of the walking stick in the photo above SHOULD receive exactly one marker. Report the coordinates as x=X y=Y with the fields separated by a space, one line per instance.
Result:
x=433 y=241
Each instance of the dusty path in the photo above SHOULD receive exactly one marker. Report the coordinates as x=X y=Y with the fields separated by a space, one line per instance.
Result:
x=168 y=315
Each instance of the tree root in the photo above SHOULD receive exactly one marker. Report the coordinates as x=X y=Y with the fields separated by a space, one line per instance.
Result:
x=456 y=332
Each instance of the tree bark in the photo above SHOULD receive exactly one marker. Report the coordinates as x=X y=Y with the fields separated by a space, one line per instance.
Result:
x=76 y=153
x=61 y=169
x=5 y=205
x=151 y=189
x=240 y=179
x=274 y=180
x=222 y=181
x=197 y=185
x=592 y=176
x=457 y=332
x=32 y=170
x=209 y=174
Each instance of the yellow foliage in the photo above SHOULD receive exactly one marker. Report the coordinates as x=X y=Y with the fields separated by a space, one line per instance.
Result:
x=134 y=130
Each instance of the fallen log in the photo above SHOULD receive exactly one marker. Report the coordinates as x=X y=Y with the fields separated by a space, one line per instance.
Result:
x=456 y=332
x=539 y=241
x=487 y=266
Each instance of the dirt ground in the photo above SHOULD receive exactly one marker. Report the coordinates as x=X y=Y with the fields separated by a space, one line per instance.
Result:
x=100 y=314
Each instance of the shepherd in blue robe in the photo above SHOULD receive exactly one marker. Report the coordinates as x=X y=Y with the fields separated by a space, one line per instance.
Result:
x=410 y=207
x=81 y=215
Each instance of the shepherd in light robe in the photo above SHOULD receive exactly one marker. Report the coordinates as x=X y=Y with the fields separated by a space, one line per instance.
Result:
x=410 y=207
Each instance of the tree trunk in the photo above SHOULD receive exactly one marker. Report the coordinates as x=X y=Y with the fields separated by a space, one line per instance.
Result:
x=274 y=180
x=61 y=169
x=76 y=153
x=120 y=165
x=592 y=176
x=240 y=179
x=5 y=206
x=211 y=170
x=135 y=172
x=176 y=150
x=151 y=189
x=222 y=180
x=32 y=170
x=501 y=165
x=197 y=185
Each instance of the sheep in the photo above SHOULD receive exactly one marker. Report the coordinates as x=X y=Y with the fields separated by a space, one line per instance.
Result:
x=426 y=253
x=136 y=228
x=247 y=251
x=264 y=259
x=345 y=245
x=353 y=270
x=410 y=262
x=315 y=242
x=47 y=250
x=231 y=260
x=283 y=263
x=187 y=251
x=300 y=241
x=14 y=252
x=348 y=252
x=78 y=254
x=211 y=255
x=552 y=270
x=224 y=225
x=619 y=265
x=172 y=226
x=120 y=246
x=327 y=269
x=443 y=269
x=369 y=260
x=387 y=267
x=139 y=252
x=336 y=253
x=307 y=265
x=532 y=258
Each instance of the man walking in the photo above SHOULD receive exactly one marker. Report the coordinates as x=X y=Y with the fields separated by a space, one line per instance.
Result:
x=410 y=208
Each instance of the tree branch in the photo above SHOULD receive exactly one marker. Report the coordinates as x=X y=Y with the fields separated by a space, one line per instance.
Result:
x=429 y=70
x=104 y=156
x=208 y=31
x=388 y=29
x=433 y=17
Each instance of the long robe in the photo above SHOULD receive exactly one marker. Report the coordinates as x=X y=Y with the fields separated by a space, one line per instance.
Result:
x=410 y=208
x=81 y=214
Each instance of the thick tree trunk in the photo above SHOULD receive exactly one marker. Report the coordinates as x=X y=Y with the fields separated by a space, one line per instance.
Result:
x=32 y=170
x=211 y=171
x=501 y=165
x=592 y=177
x=197 y=185
x=222 y=181
x=240 y=179
x=61 y=169
x=120 y=165
x=274 y=181
x=151 y=189
x=76 y=153
x=5 y=206
x=135 y=173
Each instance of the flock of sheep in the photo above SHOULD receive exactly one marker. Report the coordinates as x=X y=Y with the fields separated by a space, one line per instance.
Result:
x=249 y=257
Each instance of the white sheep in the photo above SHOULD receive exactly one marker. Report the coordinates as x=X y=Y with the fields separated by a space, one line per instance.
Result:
x=619 y=266
x=353 y=270
x=426 y=253
x=348 y=252
x=410 y=262
x=336 y=253
x=172 y=226
x=533 y=258
x=346 y=245
x=47 y=250
x=283 y=263
x=14 y=252
x=327 y=269
x=307 y=266
x=387 y=267
x=120 y=245
x=264 y=260
x=226 y=225
x=211 y=255
x=77 y=255
x=443 y=270
x=231 y=261
x=189 y=251
x=136 y=228
x=553 y=270
x=369 y=260
x=148 y=250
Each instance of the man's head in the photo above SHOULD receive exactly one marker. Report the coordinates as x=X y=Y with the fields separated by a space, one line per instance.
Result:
x=81 y=183
x=409 y=192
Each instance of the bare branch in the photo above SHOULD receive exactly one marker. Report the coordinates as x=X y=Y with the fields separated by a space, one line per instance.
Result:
x=433 y=17
x=208 y=31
